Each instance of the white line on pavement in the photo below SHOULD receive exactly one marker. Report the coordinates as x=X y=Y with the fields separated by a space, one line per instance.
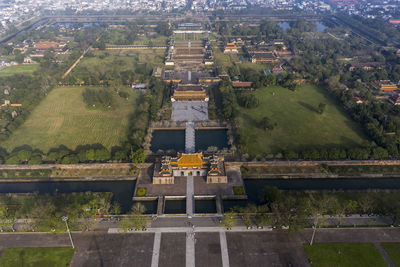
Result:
x=156 y=250
x=198 y=229
x=224 y=249
x=190 y=254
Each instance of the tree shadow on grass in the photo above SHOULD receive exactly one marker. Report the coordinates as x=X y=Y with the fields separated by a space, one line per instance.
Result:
x=20 y=148
x=307 y=106
x=250 y=120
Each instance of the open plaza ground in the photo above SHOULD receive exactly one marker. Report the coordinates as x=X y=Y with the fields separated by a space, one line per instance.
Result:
x=62 y=118
x=169 y=247
x=298 y=124
x=121 y=60
x=18 y=69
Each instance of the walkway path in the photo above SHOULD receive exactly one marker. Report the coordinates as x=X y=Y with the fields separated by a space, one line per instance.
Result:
x=189 y=195
x=190 y=251
x=384 y=255
x=189 y=138
x=156 y=250
x=224 y=249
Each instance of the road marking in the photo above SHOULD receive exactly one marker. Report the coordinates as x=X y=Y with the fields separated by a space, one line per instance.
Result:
x=224 y=249
x=190 y=240
x=156 y=250
x=214 y=229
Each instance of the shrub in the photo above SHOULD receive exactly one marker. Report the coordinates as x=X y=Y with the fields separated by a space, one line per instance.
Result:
x=238 y=190
x=141 y=192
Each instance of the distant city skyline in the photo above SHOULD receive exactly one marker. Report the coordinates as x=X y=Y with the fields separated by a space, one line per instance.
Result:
x=18 y=11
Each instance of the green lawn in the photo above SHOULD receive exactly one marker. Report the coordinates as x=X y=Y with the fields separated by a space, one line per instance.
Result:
x=38 y=257
x=298 y=124
x=157 y=40
x=344 y=255
x=115 y=61
x=393 y=250
x=11 y=70
x=223 y=60
x=62 y=118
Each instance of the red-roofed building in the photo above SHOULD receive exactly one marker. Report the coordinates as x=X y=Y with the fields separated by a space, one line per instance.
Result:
x=394 y=21
x=242 y=85
x=395 y=99
x=358 y=100
x=231 y=48
x=46 y=45
x=385 y=86
x=284 y=53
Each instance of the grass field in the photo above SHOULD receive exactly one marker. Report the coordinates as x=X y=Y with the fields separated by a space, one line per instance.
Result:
x=344 y=255
x=298 y=124
x=393 y=250
x=62 y=118
x=11 y=70
x=123 y=63
x=157 y=40
x=37 y=257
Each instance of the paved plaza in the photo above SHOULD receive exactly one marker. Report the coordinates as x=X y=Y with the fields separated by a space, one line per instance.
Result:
x=189 y=111
x=208 y=246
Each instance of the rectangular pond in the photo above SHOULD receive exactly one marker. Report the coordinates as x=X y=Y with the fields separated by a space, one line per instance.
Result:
x=122 y=190
x=255 y=186
x=163 y=140
x=150 y=206
x=205 y=206
x=211 y=138
x=285 y=25
x=175 y=206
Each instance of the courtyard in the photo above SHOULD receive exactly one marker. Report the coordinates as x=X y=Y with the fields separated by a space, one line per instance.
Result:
x=189 y=111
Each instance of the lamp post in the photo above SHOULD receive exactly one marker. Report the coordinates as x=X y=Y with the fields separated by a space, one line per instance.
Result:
x=65 y=219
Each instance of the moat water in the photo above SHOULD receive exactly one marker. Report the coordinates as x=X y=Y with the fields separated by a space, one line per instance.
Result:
x=286 y=25
x=168 y=140
x=164 y=140
x=211 y=138
x=123 y=191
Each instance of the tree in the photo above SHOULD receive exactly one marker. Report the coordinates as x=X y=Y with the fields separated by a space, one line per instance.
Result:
x=247 y=100
x=119 y=155
x=266 y=124
x=343 y=208
x=289 y=154
x=138 y=156
x=228 y=220
x=366 y=204
x=321 y=108
x=52 y=156
x=35 y=159
x=379 y=153
x=247 y=212
x=289 y=213
x=24 y=155
x=269 y=194
x=12 y=160
x=6 y=218
x=102 y=154
x=43 y=215
x=317 y=209
x=134 y=219
x=70 y=159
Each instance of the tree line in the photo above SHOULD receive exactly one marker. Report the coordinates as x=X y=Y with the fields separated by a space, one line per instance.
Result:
x=294 y=210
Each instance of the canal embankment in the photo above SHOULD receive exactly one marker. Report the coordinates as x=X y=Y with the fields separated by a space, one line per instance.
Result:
x=70 y=172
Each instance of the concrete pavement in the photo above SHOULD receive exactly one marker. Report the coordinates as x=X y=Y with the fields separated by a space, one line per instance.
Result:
x=242 y=247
